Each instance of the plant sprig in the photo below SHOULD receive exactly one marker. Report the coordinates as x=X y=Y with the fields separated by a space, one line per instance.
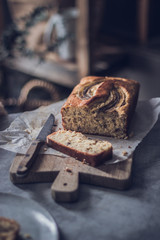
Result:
x=14 y=38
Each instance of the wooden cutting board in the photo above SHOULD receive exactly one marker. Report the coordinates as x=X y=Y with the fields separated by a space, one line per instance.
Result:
x=66 y=174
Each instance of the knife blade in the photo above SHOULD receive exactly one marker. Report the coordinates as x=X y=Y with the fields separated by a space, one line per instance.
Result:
x=34 y=148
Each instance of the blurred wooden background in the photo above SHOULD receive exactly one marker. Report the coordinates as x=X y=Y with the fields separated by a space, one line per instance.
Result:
x=112 y=38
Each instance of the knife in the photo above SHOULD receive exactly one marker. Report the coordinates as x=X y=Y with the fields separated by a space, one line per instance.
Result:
x=34 y=148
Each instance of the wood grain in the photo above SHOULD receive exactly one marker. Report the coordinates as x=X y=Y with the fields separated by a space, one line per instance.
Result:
x=65 y=186
x=65 y=174
x=83 y=38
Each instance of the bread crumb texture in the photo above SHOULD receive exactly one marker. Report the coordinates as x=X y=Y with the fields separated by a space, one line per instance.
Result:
x=80 y=142
x=101 y=106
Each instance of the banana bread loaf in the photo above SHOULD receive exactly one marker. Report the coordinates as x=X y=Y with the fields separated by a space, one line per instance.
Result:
x=77 y=145
x=101 y=105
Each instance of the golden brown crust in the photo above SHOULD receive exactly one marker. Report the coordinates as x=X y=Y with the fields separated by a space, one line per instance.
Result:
x=111 y=95
x=106 y=85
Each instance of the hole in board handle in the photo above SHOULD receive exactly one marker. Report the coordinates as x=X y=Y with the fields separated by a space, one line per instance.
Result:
x=64 y=184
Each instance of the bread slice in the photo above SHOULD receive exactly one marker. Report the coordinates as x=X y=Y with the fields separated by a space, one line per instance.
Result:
x=77 y=145
x=9 y=229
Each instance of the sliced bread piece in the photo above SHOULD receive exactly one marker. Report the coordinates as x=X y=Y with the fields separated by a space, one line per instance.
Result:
x=79 y=146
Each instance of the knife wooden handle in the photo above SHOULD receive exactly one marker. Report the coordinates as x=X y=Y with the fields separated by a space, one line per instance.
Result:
x=29 y=157
x=65 y=187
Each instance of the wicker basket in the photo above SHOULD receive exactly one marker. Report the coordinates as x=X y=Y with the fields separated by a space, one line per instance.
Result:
x=25 y=103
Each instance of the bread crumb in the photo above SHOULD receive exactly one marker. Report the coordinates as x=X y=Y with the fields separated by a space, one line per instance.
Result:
x=27 y=131
x=129 y=147
x=69 y=170
x=126 y=138
x=125 y=153
x=84 y=161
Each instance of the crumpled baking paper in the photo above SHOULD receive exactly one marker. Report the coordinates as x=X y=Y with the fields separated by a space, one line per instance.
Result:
x=26 y=127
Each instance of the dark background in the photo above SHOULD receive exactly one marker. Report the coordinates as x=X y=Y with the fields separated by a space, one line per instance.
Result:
x=128 y=41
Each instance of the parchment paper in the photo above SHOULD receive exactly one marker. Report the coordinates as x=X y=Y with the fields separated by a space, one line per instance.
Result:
x=25 y=128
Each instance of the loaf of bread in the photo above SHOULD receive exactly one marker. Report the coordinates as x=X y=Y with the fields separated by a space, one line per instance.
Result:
x=9 y=229
x=79 y=146
x=102 y=106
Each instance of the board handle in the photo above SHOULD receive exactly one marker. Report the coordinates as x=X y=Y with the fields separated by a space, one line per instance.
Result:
x=66 y=185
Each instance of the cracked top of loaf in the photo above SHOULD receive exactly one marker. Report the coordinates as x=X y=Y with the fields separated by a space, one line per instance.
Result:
x=118 y=93
x=101 y=105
